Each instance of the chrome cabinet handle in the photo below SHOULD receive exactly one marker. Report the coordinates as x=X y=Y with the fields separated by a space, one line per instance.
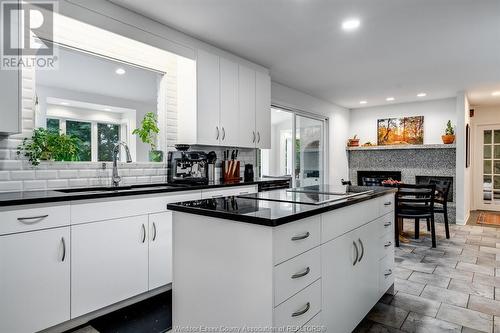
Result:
x=154 y=231
x=301 y=237
x=245 y=192
x=64 y=249
x=29 y=220
x=388 y=224
x=143 y=233
x=388 y=273
x=362 y=250
x=217 y=196
x=223 y=134
x=253 y=137
x=388 y=203
x=258 y=137
x=357 y=253
x=301 y=312
x=218 y=133
x=388 y=244
x=301 y=274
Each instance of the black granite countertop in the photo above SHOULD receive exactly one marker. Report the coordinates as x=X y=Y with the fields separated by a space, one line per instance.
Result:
x=270 y=212
x=35 y=197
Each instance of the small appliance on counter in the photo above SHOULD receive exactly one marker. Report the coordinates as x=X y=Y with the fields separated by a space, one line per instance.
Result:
x=231 y=166
x=212 y=158
x=249 y=174
x=187 y=167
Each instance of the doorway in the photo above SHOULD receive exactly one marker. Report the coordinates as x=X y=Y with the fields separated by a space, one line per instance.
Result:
x=487 y=168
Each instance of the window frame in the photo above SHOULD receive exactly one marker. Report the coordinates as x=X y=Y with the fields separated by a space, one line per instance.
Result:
x=93 y=132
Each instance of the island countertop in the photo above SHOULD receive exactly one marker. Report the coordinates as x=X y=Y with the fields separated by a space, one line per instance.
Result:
x=271 y=213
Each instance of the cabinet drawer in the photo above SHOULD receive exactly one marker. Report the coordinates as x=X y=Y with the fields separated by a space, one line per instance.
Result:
x=386 y=244
x=343 y=220
x=294 y=275
x=34 y=218
x=299 y=309
x=386 y=204
x=99 y=210
x=227 y=192
x=386 y=274
x=386 y=224
x=292 y=239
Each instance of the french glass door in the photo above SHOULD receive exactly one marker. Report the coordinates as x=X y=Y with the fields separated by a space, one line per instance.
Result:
x=488 y=193
x=298 y=147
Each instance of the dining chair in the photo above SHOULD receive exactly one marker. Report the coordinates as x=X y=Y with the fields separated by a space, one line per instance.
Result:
x=415 y=202
x=443 y=188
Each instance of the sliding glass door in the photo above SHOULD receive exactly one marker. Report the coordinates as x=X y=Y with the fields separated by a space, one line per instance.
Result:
x=297 y=147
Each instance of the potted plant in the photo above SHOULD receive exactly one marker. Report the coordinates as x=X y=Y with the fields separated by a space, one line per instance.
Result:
x=354 y=142
x=47 y=145
x=147 y=132
x=449 y=135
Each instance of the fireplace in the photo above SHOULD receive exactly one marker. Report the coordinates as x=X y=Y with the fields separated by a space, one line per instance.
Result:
x=375 y=178
x=427 y=179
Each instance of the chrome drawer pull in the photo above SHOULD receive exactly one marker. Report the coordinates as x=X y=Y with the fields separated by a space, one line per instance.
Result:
x=301 y=312
x=388 y=244
x=362 y=250
x=64 y=249
x=357 y=253
x=154 y=231
x=388 y=224
x=301 y=274
x=388 y=203
x=388 y=273
x=300 y=237
x=29 y=220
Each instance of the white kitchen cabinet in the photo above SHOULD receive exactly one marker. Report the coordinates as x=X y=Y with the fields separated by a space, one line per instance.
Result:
x=350 y=285
x=229 y=131
x=247 y=131
x=160 y=249
x=109 y=263
x=34 y=280
x=10 y=94
x=263 y=110
x=208 y=99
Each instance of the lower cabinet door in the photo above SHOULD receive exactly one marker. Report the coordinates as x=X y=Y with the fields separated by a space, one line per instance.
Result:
x=34 y=280
x=160 y=249
x=109 y=263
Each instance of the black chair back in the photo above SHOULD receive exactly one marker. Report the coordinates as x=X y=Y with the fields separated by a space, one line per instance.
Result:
x=415 y=200
x=443 y=188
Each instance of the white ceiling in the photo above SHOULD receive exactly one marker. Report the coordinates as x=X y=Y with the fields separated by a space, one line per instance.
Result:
x=88 y=73
x=403 y=47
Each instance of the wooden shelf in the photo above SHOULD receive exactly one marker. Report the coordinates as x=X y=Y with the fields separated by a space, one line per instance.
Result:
x=404 y=147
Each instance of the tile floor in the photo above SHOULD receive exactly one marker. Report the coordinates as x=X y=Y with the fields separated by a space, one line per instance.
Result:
x=453 y=288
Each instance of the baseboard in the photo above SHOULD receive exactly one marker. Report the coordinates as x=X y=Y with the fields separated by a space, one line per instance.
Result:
x=82 y=320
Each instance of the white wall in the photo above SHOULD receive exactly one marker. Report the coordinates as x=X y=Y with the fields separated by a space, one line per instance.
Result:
x=338 y=119
x=464 y=175
x=436 y=114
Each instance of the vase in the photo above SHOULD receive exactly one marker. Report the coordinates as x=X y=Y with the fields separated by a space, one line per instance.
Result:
x=448 y=139
x=155 y=156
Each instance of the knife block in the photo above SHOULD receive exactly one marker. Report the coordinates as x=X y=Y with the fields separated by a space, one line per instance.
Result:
x=231 y=171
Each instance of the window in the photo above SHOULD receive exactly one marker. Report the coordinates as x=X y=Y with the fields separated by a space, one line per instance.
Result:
x=99 y=149
x=297 y=147
x=108 y=135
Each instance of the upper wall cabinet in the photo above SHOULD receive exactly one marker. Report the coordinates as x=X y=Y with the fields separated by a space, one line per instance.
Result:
x=10 y=93
x=233 y=105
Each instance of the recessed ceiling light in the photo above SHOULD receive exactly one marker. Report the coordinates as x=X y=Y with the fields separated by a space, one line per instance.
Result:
x=120 y=71
x=389 y=99
x=422 y=95
x=495 y=93
x=64 y=103
x=351 y=24
x=363 y=102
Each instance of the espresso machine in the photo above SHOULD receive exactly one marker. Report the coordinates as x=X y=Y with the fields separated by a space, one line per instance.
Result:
x=187 y=167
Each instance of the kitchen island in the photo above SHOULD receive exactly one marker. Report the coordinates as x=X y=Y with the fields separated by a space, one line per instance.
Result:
x=281 y=261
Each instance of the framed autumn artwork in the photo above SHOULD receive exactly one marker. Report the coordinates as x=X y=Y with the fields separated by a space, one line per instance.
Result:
x=401 y=131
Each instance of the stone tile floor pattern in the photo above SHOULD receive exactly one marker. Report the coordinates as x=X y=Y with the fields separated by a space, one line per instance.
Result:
x=453 y=288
